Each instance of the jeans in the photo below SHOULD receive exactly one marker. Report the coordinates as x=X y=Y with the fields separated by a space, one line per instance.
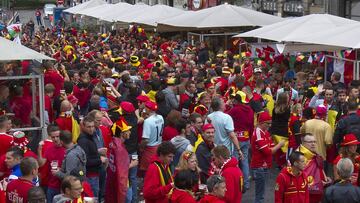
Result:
x=133 y=184
x=94 y=183
x=38 y=20
x=244 y=164
x=50 y=194
x=260 y=175
x=102 y=183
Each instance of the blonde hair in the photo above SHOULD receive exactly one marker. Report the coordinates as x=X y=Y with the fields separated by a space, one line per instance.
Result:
x=183 y=161
x=296 y=107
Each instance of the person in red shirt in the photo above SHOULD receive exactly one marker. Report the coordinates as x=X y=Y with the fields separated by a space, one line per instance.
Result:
x=53 y=157
x=182 y=192
x=187 y=99
x=243 y=129
x=53 y=76
x=262 y=149
x=291 y=184
x=17 y=190
x=66 y=120
x=158 y=179
x=229 y=169
x=5 y=139
x=217 y=188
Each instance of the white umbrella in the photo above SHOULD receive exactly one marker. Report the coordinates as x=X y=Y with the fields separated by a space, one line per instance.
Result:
x=344 y=36
x=296 y=29
x=150 y=15
x=106 y=9
x=126 y=15
x=10 y=50
x=224 y=15
x=85 y=5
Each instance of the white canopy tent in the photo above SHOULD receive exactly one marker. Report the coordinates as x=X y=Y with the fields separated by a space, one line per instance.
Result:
x=127 y=12
x=147 y=16
x=297 y=29
x=344 y=36
x=221 y=16
x=105 y=9
x=85 y=5
x=9 y=50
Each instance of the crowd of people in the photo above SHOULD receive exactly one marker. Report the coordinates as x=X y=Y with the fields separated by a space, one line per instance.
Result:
x=192 y=125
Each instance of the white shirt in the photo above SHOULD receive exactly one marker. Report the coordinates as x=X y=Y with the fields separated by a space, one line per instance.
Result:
x=153 y=129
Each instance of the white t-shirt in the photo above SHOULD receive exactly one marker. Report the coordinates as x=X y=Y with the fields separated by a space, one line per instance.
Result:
x=153 y=129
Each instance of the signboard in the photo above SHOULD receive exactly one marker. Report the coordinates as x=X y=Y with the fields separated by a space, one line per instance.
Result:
x=269 y=6
x=293 y=7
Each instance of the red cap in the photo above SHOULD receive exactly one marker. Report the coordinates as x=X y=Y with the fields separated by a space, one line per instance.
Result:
x=264 y=117
x=151 y=105
x=112 y=98
x=127 y=106
x=207 y=127
x=142 y=98
x=349 y=139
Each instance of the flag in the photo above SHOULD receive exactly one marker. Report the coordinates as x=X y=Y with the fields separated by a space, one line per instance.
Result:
x=14 y=30
x=17 y=40
x=300 y=57
x=310 y=60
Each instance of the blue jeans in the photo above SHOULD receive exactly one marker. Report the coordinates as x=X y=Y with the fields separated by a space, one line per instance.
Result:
x=102 y=183
x=94 y=183
x=132 y=191
x=244 y=164
x=260 y=175
x=50 y=194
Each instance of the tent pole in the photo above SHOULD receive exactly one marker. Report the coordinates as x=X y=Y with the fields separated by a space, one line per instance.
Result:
x=325 y=69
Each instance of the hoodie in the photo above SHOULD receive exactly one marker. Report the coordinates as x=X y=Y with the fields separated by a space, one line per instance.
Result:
x=181 y=144
x=180 y=196
x=75 y=158
x=154 y=190
x=234 y=180
x=60 y=198
x=170 y=98
x=241 y=125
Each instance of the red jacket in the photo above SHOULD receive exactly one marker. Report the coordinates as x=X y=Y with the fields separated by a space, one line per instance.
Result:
x=181 y=196
x=55 y=78
x=242 y=127
x=154 y=191
x=234 y=181
x=211 y=199
x=290 y=188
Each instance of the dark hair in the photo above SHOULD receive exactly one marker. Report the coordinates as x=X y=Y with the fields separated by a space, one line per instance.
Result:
x=337 y=76
x=52 y=128
x=65 y=137
x=16 y=152
x=3 y=120
x=36 y=195
x=221 y=151
x=67 y=182
x=189 y=83
x=216 y=103
x=165 y=148
x=88 y=119
x=159 y=97
x=214 y=181
x=352 y=105
x=27 y=165
x=180 y=124
x=295 y=156
x=68 y=87
x=194 y=116
x=184 y=180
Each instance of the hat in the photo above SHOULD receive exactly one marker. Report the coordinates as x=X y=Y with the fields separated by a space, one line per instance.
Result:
x=142 y=98
x=112 y=98
x=19 y=139
x=207 y=127
x=257 y=70
x=349 y=139
x=243 y=97
x=134 y=60
x=151 y=105
x=171 y=81
x=201 y=109
x=121 y=124
x=321 y=110
x=264 y=117
x=226 y=70
x=127 y=106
